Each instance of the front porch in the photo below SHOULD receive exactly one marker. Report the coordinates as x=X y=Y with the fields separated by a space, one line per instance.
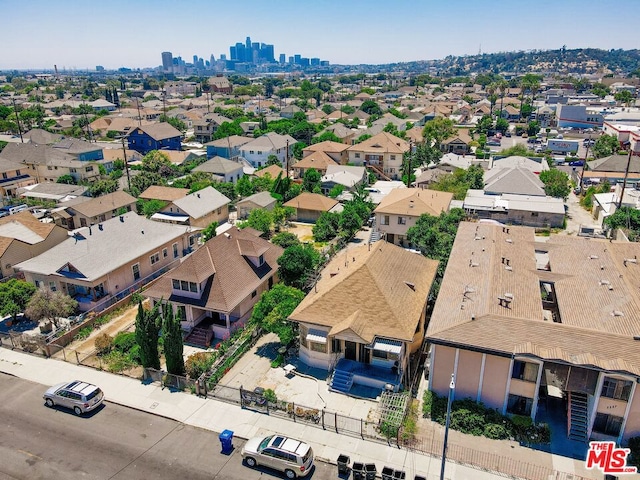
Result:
x=211 y=327
x=360 y=379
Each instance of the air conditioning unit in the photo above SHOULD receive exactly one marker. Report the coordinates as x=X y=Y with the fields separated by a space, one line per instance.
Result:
x=388 y=387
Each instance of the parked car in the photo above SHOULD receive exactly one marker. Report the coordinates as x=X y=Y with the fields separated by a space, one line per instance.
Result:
x=293 y=457
x=576 y=163
x=493 y=142
x=507 y=134
x=81 y=397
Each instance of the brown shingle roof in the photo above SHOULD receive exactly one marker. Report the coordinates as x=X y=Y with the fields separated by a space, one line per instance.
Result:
x=104 y=204
x=318 y=160
x=272 y=170
x=167 y=194
x=160 y=131
x=414 y=202
x=595 y=289
x=231 y=276
x=378 y=289
x=26 y=219
x=312 y=201
x=383 y=142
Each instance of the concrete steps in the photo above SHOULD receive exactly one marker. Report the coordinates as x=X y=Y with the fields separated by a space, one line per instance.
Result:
x=341 y=381
x=579 y=417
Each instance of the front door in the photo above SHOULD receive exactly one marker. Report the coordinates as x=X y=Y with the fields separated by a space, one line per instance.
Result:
x=350 y=350
x=365 y=354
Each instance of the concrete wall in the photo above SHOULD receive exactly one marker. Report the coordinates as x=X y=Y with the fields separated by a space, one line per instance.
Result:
x=494 y=382
x=632 y=427
x=468 y=374
x=522 y=388
x=442 y=364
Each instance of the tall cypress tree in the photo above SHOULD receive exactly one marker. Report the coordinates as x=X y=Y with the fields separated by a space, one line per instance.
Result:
x=116 y=100
x=147 y=330
x=172 y=334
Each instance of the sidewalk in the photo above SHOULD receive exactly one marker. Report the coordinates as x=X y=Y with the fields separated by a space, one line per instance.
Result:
x=216 y=416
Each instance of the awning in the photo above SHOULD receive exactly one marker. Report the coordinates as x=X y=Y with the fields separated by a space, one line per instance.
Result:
x=317 y=336
x=169 y=218
x=385 y=345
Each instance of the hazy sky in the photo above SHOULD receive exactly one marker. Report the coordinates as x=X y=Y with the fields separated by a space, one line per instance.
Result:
x=82 y=34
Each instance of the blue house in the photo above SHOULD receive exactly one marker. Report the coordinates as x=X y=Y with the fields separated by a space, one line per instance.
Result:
x=228 y=147
x=159 y=136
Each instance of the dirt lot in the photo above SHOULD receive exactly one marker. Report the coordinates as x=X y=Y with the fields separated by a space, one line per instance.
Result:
x=302 y=230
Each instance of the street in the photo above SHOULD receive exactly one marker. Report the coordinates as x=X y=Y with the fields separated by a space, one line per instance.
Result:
x=112 y=442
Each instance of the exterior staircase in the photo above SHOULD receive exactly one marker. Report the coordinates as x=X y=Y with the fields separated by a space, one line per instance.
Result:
x=199 y=337
x=374 y=236
x=379 y=172
x=578 y=416
x=341 y=381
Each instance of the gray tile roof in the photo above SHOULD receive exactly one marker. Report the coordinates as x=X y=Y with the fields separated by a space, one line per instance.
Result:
x=218 y=165
x=96 y=252
x=160 y=131
x=202 y=202
x=516 y=180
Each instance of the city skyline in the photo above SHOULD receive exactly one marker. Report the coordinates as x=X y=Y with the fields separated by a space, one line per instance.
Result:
x=133 y=34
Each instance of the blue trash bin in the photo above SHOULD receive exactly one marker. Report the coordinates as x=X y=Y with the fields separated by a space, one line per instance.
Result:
x=226 y=441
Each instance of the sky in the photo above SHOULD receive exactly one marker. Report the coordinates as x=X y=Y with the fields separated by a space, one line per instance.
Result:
x=80 y=34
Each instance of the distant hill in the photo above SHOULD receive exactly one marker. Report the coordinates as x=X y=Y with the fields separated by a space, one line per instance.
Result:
x=561 y=61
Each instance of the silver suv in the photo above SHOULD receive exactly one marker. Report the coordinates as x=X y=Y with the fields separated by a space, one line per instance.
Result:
x=293 y=457
x=79 y=396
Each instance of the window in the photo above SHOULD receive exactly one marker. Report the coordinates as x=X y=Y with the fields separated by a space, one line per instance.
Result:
x=251 y=152
x=318 y=347
x=193 y=287
x=402 y=221
x=607 y=424
x=175 y=250
x=52 y=286
x=73 y=170
x=357 y=155
x=136 y=271
x=89 y=169
x=254 y=293
x=17 y=172
x=525 y=371
x=219 y=211
x=260 y=259
x=616 y=389
x=534 y=214
x=165 y=253
x=176 y=284
x=519 y=405
x=182 y=313
x=385 y=220
x=336 y=345
x=184 y=285
x=393 y=157
x=4 y=175
x=39 y=283
x=155 y=258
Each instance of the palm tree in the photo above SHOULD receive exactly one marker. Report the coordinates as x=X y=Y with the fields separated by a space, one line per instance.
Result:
x=502 y=86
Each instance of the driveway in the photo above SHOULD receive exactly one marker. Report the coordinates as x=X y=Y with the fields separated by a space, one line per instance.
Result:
x=576 y=216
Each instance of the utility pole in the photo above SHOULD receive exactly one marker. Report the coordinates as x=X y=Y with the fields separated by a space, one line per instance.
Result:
x=409 y=158
x=15 y=109
x=626 y=174
x=584 y=164
x=286 y=164
x=126 y=165
x=452 y=387
x=139 y=117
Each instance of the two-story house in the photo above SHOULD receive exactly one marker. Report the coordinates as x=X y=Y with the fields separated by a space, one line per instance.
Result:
x=214 y=290
x=228 y=147
x=257 y=151
x=23 y=236
x=13 y=175
x=365 y=317
x=337 y=151
x=382 y=153
x=205 y=128
x=221 y=169
x=402 y=207
x=94 y=267
x=158 y=136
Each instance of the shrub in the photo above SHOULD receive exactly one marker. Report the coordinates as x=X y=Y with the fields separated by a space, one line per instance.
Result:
x=467 y=421
x=134 y=354
x=496 y=431
x=198 y=363
x=103 y=343
x=83 y=333
x=279 y=360
x=124 y=341
x=270 y=396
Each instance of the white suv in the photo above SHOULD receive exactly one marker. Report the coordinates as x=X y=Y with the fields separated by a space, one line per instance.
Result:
x=293 y=457
x=79 y=396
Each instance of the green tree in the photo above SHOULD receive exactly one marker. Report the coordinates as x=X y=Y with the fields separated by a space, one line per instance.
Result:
x=227 y=129
x=272 y=311
x=626 y=218
x=434 y=237
x=244 y=187
x=209 y=232
x=371 y=107
x=14 y=296
x=475 y=177
x=281 y=216
x=349 y=223
x=336 y=190
x=66 y=178
x=437 y=130
x=311 y=180
x=102 y=187
x=326 y=227
x=556 y=183
x=605 y=146
x=624 y=97
x=326 y=136
x=228 y=189
x=149 y=207
x=297 y=265
x=147 y=331
x=158 y=162
x=285 y=239
x=273 y=160
x=260 y=220
x=46 y=304
x=175 y=122
x=172 y=336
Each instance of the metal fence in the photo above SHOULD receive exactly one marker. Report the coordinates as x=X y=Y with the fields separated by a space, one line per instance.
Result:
x=169 y=380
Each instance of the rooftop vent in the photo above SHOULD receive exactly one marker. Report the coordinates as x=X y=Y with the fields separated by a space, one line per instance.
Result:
x=473 y=264
x=605 y=282
x=508 y=268
x=617 y=313
x=508 y=296
x=412 y=286
x=629 y=260
x=593 y=257
x=122 y=218
x=508 y=240
x=228 y=235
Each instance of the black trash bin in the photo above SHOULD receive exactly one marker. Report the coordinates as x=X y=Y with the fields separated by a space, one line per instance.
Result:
x=399 y=475
x=370 y=471
x=358 y=471
x=387 y=473
x=343 y=464
x=419 y=477
x=226 y=441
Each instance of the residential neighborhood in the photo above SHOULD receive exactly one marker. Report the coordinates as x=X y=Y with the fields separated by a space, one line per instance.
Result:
x=386 y=252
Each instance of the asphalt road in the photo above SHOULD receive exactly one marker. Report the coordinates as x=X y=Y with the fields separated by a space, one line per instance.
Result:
x=112 y=442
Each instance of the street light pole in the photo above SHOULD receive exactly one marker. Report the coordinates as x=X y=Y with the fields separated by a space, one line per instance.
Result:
x=126 y=165
x=452 y=387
